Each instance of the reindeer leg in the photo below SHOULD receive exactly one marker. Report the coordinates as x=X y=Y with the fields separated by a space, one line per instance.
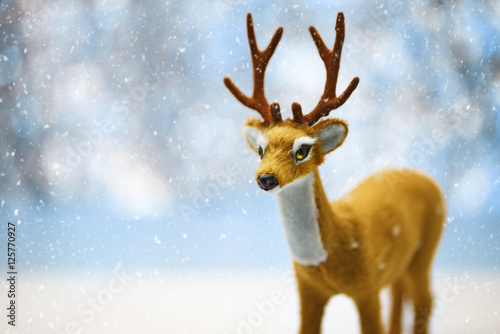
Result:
x=397 y=307
x=312 y=305
x=420 y=276
x=311 y=314
x=369 y=313
x=422 y=302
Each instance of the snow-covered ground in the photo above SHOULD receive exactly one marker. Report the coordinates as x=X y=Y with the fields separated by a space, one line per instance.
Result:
x=137 y=302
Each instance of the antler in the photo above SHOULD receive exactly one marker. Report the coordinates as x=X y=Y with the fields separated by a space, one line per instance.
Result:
x=260 y=59
x=331 y=58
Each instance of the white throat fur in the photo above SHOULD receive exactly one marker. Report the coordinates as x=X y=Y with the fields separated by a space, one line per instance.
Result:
x=300 y=221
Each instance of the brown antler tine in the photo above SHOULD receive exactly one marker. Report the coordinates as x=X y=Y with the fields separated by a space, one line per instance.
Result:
x=331 y=58
x=346 y=94
x=298 y=117
x=260 y=59
x=247 y=101
x=330 y=87
x=275 y=113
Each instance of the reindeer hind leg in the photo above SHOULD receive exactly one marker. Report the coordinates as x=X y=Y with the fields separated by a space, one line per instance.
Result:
x=397 y=290
x=419 y=277
x=422 y=303
x=420 y=268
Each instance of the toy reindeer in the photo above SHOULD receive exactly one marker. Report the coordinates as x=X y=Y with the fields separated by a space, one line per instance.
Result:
x=384 y=232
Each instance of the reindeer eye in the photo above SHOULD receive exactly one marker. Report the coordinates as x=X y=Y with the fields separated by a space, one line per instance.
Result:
x=261 y=152
x=302 y=152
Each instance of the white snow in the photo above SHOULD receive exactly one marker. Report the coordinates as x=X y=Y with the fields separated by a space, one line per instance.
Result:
x=125 y=302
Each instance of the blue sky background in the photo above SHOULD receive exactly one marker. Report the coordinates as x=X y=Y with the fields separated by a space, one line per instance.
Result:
x=120 y=143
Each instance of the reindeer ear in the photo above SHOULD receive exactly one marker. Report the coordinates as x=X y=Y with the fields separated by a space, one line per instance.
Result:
x=332 y=133
x=252 y=130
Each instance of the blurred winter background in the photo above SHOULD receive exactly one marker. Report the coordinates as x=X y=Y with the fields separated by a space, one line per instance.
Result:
x=121 y=148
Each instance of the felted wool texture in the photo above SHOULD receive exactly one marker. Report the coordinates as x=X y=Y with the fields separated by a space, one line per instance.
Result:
x=251 y=135
x=278 y=157
x=251 y=129
x=300 y=222
x=306 y=140
x=383 y=232
x=332 y=133
x=364 y=252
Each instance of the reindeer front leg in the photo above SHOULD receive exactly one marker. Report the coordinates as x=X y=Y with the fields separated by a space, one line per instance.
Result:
x=312 y=304
x=369 y=313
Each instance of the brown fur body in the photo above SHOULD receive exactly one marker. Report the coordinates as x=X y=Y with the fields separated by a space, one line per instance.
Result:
x=382 y=233
x=372 y=243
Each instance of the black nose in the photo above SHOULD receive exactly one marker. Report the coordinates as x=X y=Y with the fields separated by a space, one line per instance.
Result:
x=267 y=182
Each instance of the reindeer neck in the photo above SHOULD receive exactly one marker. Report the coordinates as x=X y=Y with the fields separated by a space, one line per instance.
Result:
x=326 y=216
x=303 y=206
x=337 y=233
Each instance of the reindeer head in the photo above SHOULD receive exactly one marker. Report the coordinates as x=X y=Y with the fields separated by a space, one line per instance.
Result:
x=291 y=149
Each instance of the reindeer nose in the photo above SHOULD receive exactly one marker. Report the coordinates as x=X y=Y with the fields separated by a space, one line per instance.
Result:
x=267 y=182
